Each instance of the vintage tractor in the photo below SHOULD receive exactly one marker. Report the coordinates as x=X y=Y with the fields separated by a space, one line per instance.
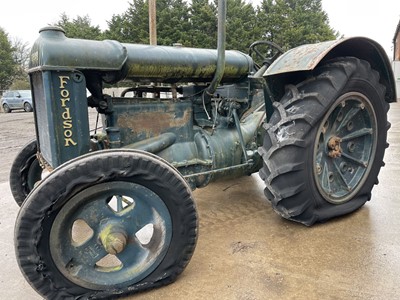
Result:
x=111 y=212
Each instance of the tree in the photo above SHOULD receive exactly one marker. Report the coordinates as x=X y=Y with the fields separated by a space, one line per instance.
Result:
x=131 y=26
x=21 y=52
x=80 y=28
x=288 y=23
x=241 y=26
x=7 y=63
x=203 y=24
x=173 y=22
x=291 y=23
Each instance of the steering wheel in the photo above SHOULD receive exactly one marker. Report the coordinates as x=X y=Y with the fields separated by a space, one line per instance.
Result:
x=264 y=59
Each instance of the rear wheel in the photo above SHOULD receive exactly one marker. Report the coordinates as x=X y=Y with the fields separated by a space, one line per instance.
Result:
x=105 y=224
x=325 y=142
x=6 y=108
x=25 y=172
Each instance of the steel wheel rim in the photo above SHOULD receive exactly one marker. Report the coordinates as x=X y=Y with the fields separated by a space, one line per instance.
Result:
x=345 y=147
x=88 y=263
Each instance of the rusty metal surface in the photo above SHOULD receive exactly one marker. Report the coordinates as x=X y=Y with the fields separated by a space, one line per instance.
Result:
x=302 y=58
x=150 y=118
x=307 y=57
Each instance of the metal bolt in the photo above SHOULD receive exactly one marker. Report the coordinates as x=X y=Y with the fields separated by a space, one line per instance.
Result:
x=330 y=177
x=351 y=146
x=350 y=126
x=340 y=117
x=319 y=169
x=114 y=239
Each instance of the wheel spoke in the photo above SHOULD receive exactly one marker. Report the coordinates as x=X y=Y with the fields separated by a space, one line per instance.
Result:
x=140 y=215
x=92 y=213
x=349 y=115
x=338 y=171
x=139 y=249
x=83 y=257
x=336 y=118
x=357 y=134
x=133 y=253
x=259 y=54
x=325 y=178
x=120 y=201
x=359 y=162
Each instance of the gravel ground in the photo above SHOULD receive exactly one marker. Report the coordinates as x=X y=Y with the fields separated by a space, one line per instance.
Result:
x=17 y=129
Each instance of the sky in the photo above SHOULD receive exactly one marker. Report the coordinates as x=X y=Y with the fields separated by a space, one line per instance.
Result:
x=23 y=19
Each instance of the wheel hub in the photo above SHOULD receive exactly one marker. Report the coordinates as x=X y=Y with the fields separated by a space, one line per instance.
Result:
x=113 y=238
x=334 y=146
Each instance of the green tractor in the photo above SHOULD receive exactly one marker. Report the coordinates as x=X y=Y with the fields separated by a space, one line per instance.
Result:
x=111 y=212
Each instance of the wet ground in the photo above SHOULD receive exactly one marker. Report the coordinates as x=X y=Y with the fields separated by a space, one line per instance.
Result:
x=245 y=251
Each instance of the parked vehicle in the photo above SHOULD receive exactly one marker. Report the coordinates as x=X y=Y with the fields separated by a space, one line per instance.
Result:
x=20 y=99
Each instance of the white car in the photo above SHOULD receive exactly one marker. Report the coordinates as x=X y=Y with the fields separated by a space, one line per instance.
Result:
x=20 y=99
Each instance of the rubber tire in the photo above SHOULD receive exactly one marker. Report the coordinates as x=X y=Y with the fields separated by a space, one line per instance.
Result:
x=288 y=165
x=6 y=108
x=37 y=213
x=25 y=172
x=27 y=107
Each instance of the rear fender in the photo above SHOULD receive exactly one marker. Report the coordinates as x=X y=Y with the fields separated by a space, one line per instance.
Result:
x=295 y=65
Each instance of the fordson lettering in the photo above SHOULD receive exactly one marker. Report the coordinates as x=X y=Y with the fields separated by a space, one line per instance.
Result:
x=66 y=115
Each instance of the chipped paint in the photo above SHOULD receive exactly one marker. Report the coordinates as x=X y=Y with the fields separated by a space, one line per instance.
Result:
x=153 y=123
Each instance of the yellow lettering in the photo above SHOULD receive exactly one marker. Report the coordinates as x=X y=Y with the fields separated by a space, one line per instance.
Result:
x=63 y=100
x=66 y=114
x=69 y=141
x=63 y=81
x=67 y=124
x=64 y=93
x=67 y=133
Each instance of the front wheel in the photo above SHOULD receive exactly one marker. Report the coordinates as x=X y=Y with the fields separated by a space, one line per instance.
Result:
x=27 y=107
x=105 y=224
x=325 y=142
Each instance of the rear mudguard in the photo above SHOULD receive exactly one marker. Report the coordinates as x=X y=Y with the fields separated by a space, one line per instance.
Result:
x=297 y=62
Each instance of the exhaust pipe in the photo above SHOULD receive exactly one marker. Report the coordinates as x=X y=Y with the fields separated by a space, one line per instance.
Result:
x=219 y=72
